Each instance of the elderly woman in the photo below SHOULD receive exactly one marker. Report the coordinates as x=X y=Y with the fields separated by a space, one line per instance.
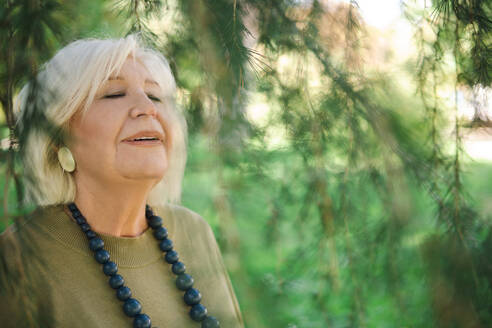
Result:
x=114 y=251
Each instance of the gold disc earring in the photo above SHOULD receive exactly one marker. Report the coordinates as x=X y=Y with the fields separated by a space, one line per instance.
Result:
x=66 y=159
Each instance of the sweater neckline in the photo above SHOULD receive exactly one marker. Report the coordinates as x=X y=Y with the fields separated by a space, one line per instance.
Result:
x=125 y=251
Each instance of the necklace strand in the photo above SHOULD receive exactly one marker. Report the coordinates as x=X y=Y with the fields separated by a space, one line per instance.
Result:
x=131 y=306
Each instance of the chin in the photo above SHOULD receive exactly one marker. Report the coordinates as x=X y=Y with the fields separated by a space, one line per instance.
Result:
x=142 y=166
x=145 y=171
x=143 y=175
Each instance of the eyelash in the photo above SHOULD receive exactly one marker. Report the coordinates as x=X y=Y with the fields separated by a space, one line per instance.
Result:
x=118 y=95
x=154 y=98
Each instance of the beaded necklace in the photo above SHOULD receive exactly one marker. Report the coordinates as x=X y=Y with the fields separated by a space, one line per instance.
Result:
x=132 y=307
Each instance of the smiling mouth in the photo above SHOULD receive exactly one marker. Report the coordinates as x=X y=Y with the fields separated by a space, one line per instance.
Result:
x=144 y=141
x=146 y=138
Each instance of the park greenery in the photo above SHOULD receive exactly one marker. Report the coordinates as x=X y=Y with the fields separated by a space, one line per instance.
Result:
x=339 y=197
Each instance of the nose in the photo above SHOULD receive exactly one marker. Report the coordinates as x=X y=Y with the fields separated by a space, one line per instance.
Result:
x=143 y=106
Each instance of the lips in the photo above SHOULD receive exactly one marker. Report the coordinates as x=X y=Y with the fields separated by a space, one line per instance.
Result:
x=148 y=137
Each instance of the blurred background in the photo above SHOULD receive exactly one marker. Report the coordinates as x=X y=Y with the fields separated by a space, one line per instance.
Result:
x=341 y=150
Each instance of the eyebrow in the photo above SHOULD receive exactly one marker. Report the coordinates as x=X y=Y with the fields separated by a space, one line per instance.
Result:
x=112 y=78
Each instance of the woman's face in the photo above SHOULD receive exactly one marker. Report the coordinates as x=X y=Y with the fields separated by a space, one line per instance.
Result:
x=125 y=134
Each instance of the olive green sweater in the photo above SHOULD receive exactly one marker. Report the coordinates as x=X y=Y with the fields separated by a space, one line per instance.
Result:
x=67 y=285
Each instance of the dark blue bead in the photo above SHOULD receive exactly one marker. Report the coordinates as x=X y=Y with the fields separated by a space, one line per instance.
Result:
x=116 y=281
x=110 y=268
x=101 y=256
x=90 y=234
x=96 y=244
x=80 y=220
x=76 y=214
x=142 y=321
x=184 y=281
x=171 y=257
x=178 y=268
x=192 y=296
x=85 y=227
x=72 y=207
x=166 y=245
x=132 y=307
x=160 y=233
x=148 y=211
x=198 y=312
x=154 y=221
x=123 y=293
x=210 y=322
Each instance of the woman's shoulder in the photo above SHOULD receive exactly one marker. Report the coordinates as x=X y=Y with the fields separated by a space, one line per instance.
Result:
x=18 y=230
x=31 y=217
x=19 y=256
x=182 y=215
x=185 y=224
x=180 y=210
x=35 y=225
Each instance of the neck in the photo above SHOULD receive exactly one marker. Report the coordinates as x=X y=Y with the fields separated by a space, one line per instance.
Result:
x=117 y=210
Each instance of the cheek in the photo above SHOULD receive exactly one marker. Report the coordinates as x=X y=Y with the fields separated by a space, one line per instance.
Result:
x=95 y=137
x=168 y=125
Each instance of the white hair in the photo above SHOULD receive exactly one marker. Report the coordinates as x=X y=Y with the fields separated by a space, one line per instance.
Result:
x=68 y=83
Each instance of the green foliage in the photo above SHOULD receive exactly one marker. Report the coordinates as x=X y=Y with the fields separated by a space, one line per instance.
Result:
x=341 y=207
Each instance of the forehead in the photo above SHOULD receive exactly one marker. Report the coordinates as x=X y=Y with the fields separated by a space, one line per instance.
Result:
x=133 y=70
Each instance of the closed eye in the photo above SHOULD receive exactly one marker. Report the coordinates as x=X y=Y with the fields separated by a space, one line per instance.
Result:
x=114 y=95
x=153 y=98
